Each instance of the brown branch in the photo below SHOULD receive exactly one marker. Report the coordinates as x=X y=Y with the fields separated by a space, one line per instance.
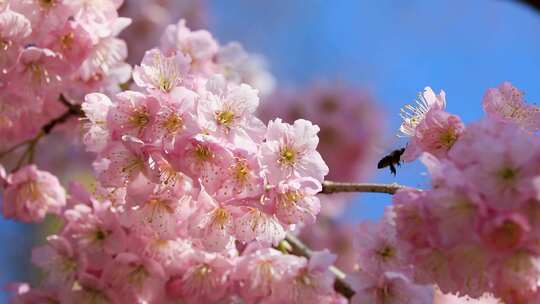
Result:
x=329 y=187
x=301 y=249
x=73 y=110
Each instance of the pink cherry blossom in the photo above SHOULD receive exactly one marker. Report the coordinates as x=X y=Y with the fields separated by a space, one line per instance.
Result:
x=441 y=298
x=158 y=72
x=238 y=66
x=295 y=201
x=95 y=107
x=516 y=279
x=205 y=279
x=31 y=194
x=24 y=294
x=59 y=258
x=199 y=45
x=254 y=224
x=151 y=18
x=175 y=118
x=505 y=232
x=14 y=28
x=95 y=229
x=502 y=173
x=290 y=151
x=134 y=277
x=413 y=115
x=390 y=288
x=229 y=113
x=39 y=71
x=435 y=134
x=133 y=114
x=377 y=247
x=258 y=273
x=308 y=281
x=213 y=224
x=123 y=162
x=506 y=103
x=72 y=42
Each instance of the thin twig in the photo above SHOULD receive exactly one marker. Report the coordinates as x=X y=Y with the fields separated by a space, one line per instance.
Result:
x=15 y=147
x=301 y=249
x=28 y=154
x=329 y=187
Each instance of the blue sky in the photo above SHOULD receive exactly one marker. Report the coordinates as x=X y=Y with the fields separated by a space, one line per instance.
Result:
x=394 y=49
x=391 y=47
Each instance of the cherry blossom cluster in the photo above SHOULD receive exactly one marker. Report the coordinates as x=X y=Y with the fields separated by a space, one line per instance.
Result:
x=350 y=121
x=194 y=196
x=351 y=130
x=150 y=18
x=193 y=192
x=383 y=275
x=476 y=230
x=100 y=257
x=53 y=47
x=204 y=57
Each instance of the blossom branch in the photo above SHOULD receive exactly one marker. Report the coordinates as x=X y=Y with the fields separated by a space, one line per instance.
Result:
x=72 y=111
x=296 y=246
x=330 y=187
x=301 y=249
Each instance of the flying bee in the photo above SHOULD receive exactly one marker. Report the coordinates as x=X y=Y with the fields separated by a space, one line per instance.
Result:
x=390 y=160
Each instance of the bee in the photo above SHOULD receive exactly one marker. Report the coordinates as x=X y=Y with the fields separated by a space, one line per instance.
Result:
x=393 y=158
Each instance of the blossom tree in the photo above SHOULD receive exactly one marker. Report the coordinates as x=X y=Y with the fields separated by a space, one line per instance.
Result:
x=196 y=200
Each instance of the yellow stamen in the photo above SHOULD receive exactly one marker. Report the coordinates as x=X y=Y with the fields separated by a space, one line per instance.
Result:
x=173 y=123
x=203 y=153
x=139 y=118
x=287 y=156
x=225 y=117
x=67 y=41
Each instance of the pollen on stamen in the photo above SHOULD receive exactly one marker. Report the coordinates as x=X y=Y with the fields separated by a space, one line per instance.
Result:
x=287 y=156
x=139 y=117
x=413 y=114
x=133 y=165
x=166 y=73
x=47 y=4
x=220 y=217
x=240 y=171
x=67 y=40
x=30 y=191
x=448 y=138
x=173 y=123
x=203 y=153
x=38 y=74
x=225 y=117
x=138 y=275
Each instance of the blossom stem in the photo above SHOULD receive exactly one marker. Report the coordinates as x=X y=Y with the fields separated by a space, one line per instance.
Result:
x=72 y=111
x=329 y=187
x=301 y=249
x=15 y=147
